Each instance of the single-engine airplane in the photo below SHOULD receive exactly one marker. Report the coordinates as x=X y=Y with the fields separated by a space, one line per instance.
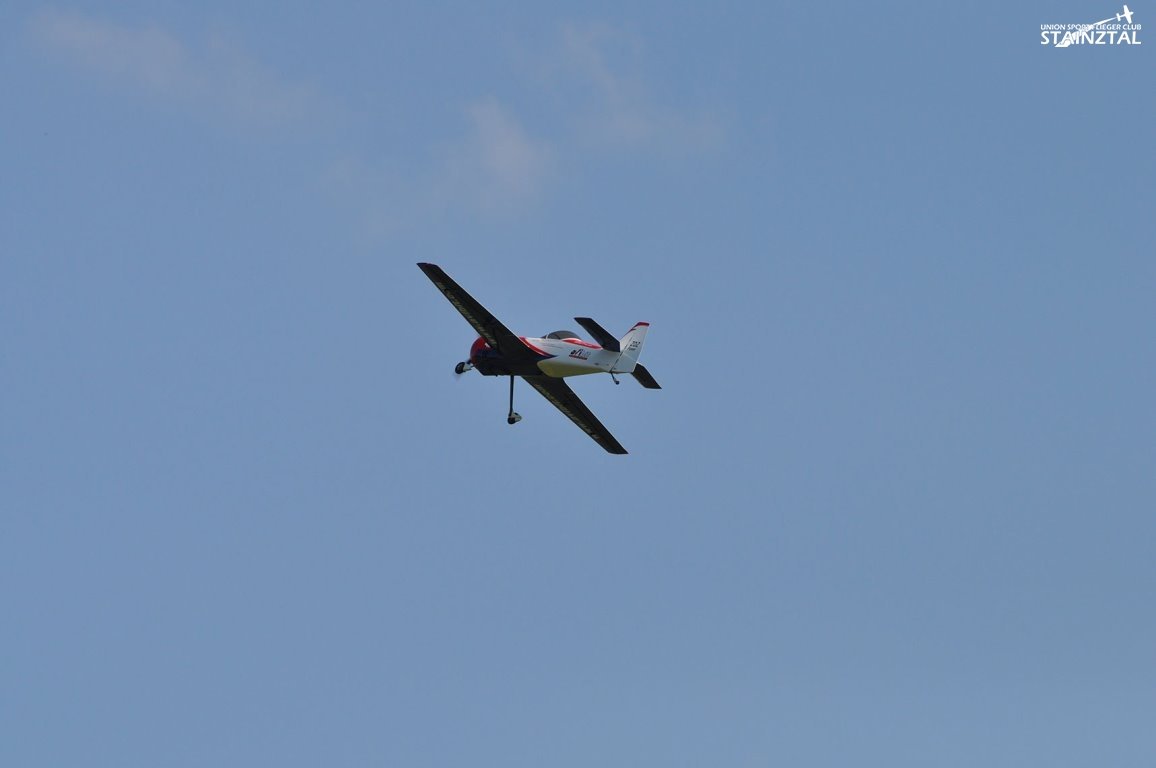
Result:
x=544 y=362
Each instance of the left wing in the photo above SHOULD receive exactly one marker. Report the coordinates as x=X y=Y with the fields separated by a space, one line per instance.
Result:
x=564 y=399
x=498 y=336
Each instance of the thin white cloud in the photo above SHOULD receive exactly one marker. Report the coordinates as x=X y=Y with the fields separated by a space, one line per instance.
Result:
x=593 y=97
x=586 y=50
x=618 y=108
x=498 y=165
x=500 y=161
x=214 y=75
x=494 y=167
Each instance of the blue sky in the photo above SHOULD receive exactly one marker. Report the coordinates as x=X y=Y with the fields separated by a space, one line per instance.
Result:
x=893 y=505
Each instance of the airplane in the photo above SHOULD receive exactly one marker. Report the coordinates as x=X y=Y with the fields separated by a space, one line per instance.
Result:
x=544 y=362
x=1126 y=16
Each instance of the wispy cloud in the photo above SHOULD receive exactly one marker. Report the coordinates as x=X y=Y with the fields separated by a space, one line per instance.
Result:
x=498 y=163
x=591 y=94
x=613 y=103
x=215 y=75
x=509 y=153
x=494 y=167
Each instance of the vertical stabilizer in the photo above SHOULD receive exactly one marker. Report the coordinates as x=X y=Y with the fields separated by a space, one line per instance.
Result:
x=631 y=345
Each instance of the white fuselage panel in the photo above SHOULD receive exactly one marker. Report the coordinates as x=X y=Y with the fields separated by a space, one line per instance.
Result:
x=574 y=357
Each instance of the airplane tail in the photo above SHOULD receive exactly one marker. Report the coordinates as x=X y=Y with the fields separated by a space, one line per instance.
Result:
x=631 y=345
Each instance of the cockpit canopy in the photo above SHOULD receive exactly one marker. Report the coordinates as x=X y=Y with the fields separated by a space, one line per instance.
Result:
x=562 y=335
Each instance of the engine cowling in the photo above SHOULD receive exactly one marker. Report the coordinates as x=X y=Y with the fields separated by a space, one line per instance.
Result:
x=478 y=348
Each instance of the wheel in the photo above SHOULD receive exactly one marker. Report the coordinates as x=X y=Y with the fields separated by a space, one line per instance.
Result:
x=460 y=368
x=514 y=419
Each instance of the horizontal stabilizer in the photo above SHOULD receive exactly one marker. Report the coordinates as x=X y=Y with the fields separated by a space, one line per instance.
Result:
x=644 y=377
x=600 y=334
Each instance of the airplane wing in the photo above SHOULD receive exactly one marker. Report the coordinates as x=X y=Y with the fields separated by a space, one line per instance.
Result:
x=498 y=336
x=563 y=398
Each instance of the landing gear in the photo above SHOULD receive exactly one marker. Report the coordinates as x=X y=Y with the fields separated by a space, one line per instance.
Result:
x=513 y=418
x=616 y=381
x=461 y=368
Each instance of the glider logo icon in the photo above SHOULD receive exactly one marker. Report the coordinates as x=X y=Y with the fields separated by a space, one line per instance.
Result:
x=1114 y=30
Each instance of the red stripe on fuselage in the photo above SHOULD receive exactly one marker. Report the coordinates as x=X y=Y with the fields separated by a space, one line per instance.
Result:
x=535 y=349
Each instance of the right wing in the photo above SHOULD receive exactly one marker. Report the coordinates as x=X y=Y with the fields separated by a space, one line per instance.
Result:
x=564 y=399
x=498 y=336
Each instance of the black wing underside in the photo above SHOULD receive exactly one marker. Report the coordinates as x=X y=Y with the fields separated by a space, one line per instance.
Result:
x=498 y=336
x=563 y=398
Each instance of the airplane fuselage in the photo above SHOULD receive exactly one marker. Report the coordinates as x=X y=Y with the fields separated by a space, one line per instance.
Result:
x=557 y=358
